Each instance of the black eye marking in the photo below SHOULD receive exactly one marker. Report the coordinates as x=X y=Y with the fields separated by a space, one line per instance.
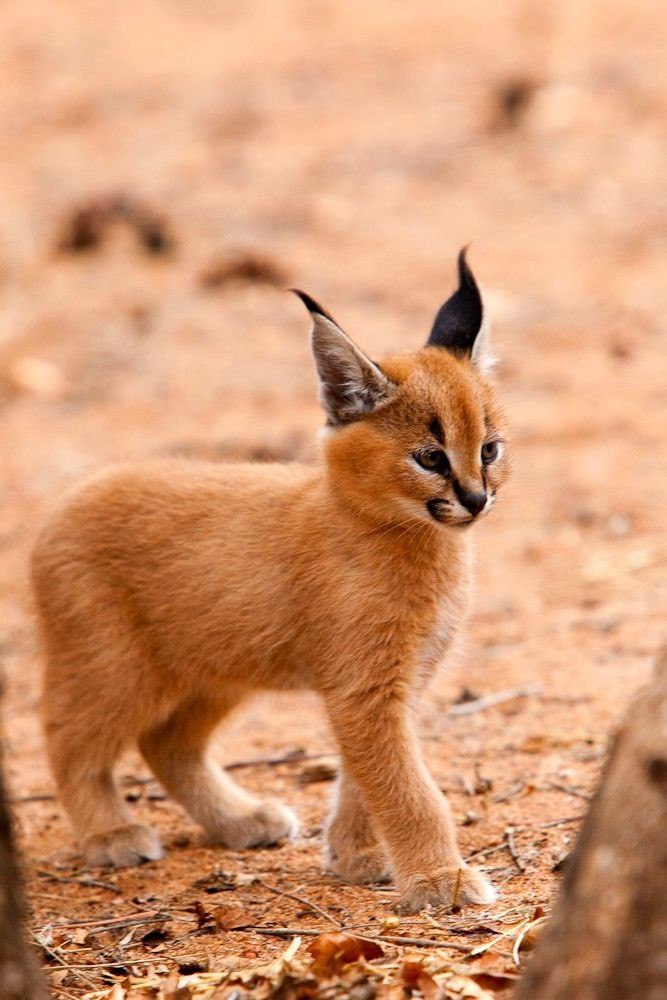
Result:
x=433 y=460
x=437 y=507
x=435 y=428
x=491 y=450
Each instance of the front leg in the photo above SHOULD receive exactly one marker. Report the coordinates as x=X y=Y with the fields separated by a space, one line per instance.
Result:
x=354 y=850
x=380 y=750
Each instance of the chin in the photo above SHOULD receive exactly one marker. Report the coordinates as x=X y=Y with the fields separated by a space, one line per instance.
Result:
x=446 y=521
x=463 y=524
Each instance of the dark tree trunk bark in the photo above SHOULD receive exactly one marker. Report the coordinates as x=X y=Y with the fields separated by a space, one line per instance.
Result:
x=19 y=976
x=607 y=938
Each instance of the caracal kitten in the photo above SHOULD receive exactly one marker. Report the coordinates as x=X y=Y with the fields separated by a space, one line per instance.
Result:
x=170 y=591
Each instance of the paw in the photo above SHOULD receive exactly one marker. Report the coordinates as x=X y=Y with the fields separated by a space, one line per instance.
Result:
x=453 y=886
x=360 y=867
x=122 y=847
x=265 y=824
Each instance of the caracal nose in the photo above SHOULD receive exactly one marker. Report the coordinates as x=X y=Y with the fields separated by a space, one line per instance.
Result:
x=472 y=501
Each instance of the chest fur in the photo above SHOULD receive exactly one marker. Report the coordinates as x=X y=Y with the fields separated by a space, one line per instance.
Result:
x=447 y=616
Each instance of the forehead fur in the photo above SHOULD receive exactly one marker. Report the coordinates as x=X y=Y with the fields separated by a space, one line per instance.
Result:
x=435 y=383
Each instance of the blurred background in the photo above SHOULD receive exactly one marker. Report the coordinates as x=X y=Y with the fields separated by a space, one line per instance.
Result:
x=168 y=169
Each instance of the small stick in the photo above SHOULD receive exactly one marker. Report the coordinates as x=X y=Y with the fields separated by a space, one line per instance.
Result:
x=110 y=965
x=40 y=894
x=291 y=757
x=569 y=790
x=127 y=920
x=511 y=847
x=305 y=902
x=32 y=798
x=496 y=698
x=457 y=888
x=510 y=793
x=485 y=851
x=553 y=822
x=284 y=932
x=79 y=880
x=61 y=961
x=421 y=942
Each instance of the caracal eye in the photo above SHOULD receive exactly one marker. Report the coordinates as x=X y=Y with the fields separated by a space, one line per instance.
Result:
x=491 y=450
x=433 y=460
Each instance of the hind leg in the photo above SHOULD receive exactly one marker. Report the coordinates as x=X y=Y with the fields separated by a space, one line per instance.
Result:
x=82 y=760
x=354 y=850
x=176 y=751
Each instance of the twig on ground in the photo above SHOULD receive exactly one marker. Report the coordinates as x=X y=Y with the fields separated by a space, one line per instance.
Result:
x=510 y=793
x=17 y=799
x=569 y=790
x=127 y=920
x=457 y=888
x=124 y=963
x=305 y=902
x=57 y=957
x=291 y=757
x=496 y=698
x=79 y=880
x=508 y=841
x=511 y=847
x=485 y=851
x=285 y=932
x=40 y=894
x=421 y=942
x=553 y=822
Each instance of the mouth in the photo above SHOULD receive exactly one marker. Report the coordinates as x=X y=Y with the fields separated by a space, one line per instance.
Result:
x=441 y=511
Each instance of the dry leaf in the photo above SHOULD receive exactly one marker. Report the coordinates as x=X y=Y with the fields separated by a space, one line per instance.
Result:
x=333 y=950
x=323 y=769
x=465 y=987
x=172 y=991
x=527 y=937
x=390 y=991
x=494 y=981
x=117 y=992
x=204 y=917
x=153 y=936
x=57 y=977
x=231 y=917
x=415 y=977
x=222 y=881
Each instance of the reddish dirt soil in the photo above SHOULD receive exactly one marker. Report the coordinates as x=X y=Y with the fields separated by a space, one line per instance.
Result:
x=167 y=170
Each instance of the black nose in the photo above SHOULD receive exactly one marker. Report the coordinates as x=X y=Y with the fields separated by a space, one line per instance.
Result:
x=474 y=502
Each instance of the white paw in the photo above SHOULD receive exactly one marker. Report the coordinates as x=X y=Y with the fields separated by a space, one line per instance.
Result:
x=451 y=886
x=123 y=847
x=266 y=824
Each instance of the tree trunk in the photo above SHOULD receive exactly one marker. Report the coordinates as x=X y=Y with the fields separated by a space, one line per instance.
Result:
x=607 y=938
x=19 y=976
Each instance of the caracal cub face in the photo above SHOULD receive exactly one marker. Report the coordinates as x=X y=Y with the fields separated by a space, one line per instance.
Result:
x=164 y=600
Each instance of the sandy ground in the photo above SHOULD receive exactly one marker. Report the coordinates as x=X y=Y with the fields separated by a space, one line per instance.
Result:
x=221 y=152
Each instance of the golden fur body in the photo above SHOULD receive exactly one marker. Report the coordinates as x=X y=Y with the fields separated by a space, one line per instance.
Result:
x=170 y=591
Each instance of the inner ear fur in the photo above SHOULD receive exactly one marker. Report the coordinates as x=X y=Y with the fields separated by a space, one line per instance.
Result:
x=351 y=385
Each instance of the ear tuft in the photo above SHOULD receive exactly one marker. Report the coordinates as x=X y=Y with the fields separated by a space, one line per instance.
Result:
x=351 y=385
x=459 y=321
x=311 y=305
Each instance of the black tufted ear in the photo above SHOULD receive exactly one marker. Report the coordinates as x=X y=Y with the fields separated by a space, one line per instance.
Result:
x=351 y=385
x=460 y=320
